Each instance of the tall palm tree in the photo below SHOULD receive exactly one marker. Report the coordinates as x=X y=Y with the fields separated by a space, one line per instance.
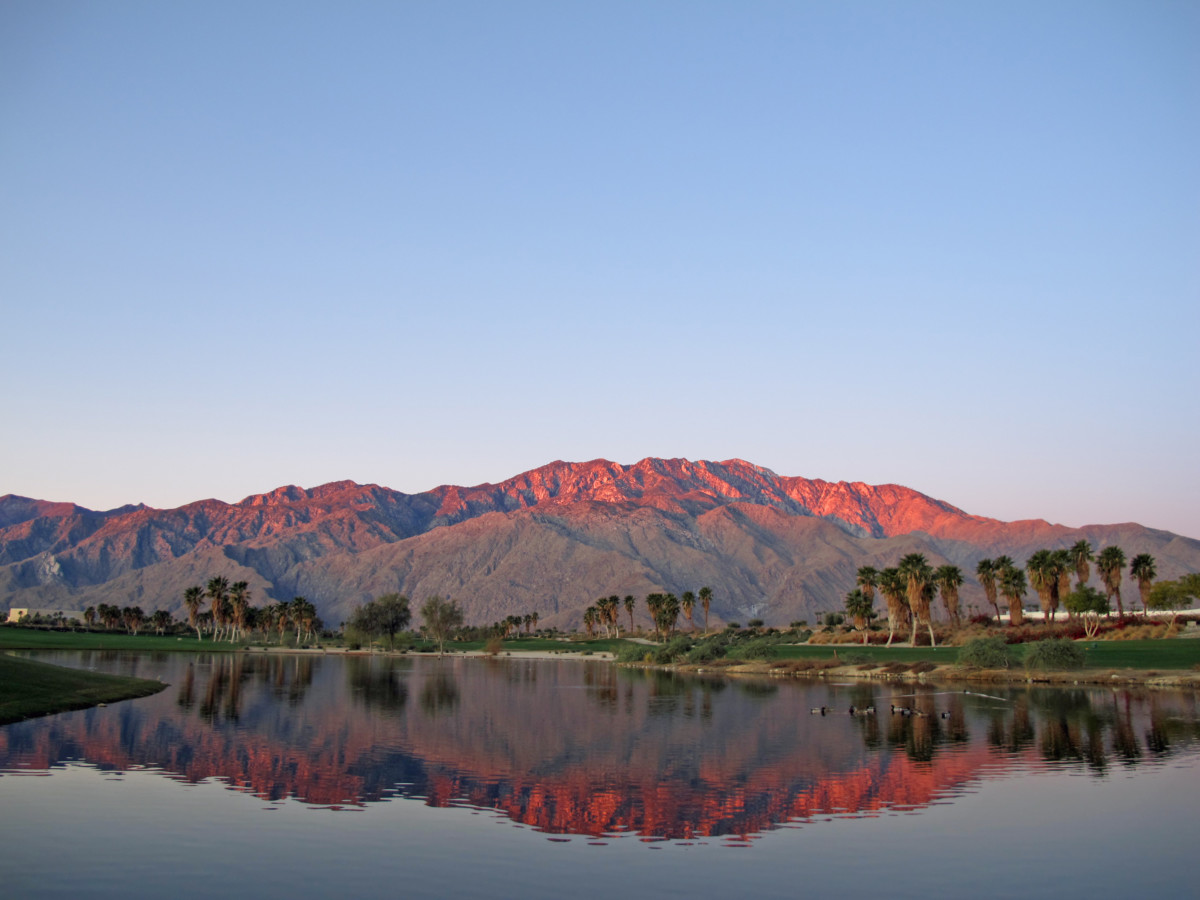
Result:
x=687 y=602
x=669 y=611
x=860 y=607
x=654 y=604
x=1110 y=562
x=1042 y=579
x=218 y=591
x=1081 y=555
x=949 y=579
x=192 y=598
x=1142 y=568
x=589 y=619
x=1061 y=565
x=239 y=605
x=986 y=571
x=612 y=614
x=867 y=579
x=89 y=616
x=918 y=575
x=705 y=602
x=283 y=618
x=302 y=614
x=630 y=603
x=892 y=586
x=1012 y=586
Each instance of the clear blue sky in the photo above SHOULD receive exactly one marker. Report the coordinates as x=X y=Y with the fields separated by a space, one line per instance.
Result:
x=950 y=245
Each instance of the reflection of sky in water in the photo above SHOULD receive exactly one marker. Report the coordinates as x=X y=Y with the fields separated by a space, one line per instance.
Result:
x=994 y=816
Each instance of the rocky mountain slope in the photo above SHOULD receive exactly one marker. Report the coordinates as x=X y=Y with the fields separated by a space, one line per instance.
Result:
x=551 y=540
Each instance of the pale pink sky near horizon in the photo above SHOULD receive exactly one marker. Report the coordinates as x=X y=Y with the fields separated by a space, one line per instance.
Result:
x=950 y=246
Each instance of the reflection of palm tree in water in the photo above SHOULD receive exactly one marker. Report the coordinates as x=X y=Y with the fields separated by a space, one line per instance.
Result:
x=375 y=684
x=187 y=688
x=439 y=693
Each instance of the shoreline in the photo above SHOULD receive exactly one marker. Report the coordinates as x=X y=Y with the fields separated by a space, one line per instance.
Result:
x=1150 y=678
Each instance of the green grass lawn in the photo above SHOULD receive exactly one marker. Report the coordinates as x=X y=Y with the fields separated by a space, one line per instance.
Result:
x=1161 y=655
x=29 y=688
x=34 y=639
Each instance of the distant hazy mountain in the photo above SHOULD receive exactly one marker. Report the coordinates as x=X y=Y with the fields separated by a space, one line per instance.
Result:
x=551 y=540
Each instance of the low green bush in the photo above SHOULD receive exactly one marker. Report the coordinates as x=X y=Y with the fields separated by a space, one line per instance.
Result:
x=753 y=650
x=631 y=653
x=1048 y=656
x=986 y=653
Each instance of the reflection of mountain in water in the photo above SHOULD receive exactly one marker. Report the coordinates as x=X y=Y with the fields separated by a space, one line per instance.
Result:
x=584 y=748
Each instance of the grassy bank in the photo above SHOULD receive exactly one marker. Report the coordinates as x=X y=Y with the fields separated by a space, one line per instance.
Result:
x=29 y=689
x=37 y=639
x=1152 y=655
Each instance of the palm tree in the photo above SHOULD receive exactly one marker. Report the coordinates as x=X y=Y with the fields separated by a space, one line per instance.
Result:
x=705 y=601
x=161 y=619
x=669 y=612
x=218 y=590
x=589 y=619
x=654 y=604
x=687 y=603
x=1110 y=562
x=1042 y=579
x=949 y=579
x=89 y=616
x=1012 y=586
x=630 y=603
x=239 y=604
x=860 y=607
x=283 y=618
x=892 y=586
x=302 y=614
x=533 y=616
x=1142 y=568
x=918 y=575
x=986 y=571
x=609 y=609
x=192 y=598
x=1081 y=555
x=134 y=617
x=867 y=579
x=1060 y=566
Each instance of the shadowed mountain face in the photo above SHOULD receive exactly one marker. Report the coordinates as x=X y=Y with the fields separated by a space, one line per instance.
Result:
x=552 y=540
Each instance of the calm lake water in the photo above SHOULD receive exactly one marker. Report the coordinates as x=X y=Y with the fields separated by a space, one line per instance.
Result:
x=291 y=776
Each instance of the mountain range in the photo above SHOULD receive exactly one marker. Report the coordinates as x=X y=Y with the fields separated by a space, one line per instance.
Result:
x=550 y=540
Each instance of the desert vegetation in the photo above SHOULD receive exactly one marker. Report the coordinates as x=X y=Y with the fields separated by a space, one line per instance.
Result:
x=1059 y=578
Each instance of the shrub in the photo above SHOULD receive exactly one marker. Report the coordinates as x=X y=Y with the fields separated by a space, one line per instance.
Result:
x=1048 y=656
x=755 y=623
x=985 y=653
x=672 y=651
x=752 y=650
x=631 y=653
x=854 y=659
x=493 y=646
x=981 y=619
